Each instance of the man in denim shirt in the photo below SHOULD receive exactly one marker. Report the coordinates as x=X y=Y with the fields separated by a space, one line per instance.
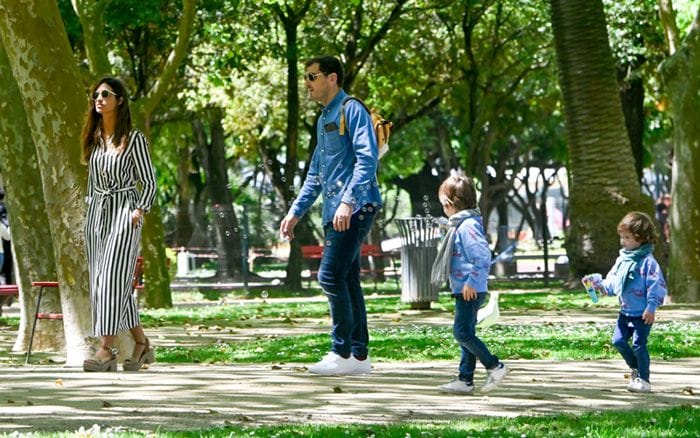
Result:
x=343 y=170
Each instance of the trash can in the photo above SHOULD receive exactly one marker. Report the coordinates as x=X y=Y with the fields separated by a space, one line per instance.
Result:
x=185 y=263
x=561 y=267
x=420 y=237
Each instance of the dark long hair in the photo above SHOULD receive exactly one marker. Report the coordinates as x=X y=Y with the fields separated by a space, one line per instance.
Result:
x=92 y=129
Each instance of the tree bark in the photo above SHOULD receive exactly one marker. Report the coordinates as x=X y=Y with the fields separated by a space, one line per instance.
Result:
x=603 y=188
x=290 y=20
x=227 y=233
x=681 y=76
x=29 y=223
x=42 y=65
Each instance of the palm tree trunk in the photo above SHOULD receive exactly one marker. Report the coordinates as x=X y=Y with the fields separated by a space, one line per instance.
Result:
x=603 y=181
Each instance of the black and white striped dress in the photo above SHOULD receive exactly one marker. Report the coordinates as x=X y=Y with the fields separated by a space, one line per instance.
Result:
x=112 y=241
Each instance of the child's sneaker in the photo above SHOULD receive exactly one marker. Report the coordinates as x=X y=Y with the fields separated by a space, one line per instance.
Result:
x=494 y=377
x=457 y=387
x=639 y=385
x=634 y=374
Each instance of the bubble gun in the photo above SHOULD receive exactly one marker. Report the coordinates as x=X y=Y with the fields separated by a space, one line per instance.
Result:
x=589 y=282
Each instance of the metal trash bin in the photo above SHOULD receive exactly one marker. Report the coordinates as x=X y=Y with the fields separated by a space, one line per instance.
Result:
x=561 y=267
x=420 y=237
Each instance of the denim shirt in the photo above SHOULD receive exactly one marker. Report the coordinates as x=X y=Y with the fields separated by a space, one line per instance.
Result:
x=471 y=257
x=644 y=290
x=343 y=168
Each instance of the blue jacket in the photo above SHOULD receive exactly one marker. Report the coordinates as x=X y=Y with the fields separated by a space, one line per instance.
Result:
x=343 y=168
x=645 y=288
x=471 y=257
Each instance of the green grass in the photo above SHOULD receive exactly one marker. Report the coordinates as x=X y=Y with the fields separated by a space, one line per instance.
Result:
x=230 y=312
x=426 y=343
x=676 y=422
x=9 y=321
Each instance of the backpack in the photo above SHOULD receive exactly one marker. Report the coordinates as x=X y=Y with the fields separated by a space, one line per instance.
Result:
x=382 y=126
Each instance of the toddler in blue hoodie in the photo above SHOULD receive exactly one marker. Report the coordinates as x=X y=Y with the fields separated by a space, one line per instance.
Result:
x=636 y=279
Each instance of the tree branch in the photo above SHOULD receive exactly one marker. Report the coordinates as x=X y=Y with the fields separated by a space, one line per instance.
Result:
x=668 y=22
x=167 y=75
x=91 y=15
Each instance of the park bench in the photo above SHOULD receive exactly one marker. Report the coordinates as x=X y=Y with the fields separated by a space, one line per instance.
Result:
x=8 y=290
x=369 y=254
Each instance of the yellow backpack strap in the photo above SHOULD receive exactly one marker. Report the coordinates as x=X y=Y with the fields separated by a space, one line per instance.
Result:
x=341 y=128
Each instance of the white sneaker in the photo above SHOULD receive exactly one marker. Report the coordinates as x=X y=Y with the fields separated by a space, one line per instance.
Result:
x=333 y=364
x=634 y=374
x=494 y=377
x=639 y=385
x=361 y=366
x=457 y=387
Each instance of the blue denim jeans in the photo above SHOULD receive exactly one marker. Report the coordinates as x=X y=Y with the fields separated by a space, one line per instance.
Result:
x=465 y=333
x=339 y=276
x=636 y=356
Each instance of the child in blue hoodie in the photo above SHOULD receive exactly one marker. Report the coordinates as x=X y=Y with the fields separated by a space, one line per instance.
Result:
x=464 y=257
x=636 y=279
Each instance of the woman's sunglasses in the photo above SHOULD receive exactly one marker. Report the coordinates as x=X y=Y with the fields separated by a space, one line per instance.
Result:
x=104 y=93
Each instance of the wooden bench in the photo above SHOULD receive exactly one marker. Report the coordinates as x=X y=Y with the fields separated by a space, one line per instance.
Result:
x=312 y=255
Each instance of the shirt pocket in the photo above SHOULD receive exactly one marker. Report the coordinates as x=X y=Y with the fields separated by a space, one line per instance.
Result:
x=332 y=142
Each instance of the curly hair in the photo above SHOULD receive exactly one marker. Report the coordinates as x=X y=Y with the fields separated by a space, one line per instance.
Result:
x=640 y=226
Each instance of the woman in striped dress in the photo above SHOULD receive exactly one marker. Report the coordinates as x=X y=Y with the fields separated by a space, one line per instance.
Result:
x=117 y=157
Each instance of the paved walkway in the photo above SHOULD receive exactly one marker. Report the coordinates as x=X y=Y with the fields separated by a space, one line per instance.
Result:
x=187 y=397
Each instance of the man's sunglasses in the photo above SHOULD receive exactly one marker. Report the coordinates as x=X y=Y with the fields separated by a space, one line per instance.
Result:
x=312 y=76
x=105 y=94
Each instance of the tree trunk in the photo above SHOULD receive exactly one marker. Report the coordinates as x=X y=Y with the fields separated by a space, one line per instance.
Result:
x=42 y=64
x=227 y=233
x=632 y=99
x=422 y=189
x=291 y=19
x=29 y=223
x=184 y=226
x=155 y=271
x=681 y=75
x=603 y=189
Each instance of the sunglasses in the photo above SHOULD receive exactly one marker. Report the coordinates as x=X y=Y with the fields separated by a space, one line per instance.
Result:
x=312 y=76
x=105 y=94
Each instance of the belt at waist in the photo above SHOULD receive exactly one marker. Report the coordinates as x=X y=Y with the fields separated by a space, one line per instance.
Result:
x=112 y=191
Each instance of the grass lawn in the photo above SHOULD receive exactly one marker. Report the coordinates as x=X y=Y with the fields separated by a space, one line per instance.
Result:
x=672 y=423
x=426 y=343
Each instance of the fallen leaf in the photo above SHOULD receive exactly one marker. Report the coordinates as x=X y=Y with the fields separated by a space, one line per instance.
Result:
x=59 y=382
x=337 y=389
x=276 y=367
x=29 y=403
x=688 y=390
x=10 y=401
x=106 y=404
